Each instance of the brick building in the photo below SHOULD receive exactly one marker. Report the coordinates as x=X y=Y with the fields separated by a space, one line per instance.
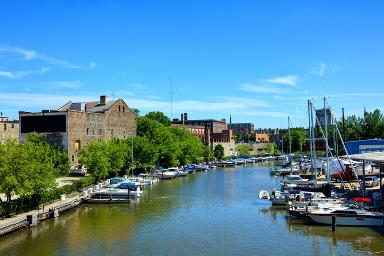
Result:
x=9 y=129
x=75 y=124
x=242 y=131
x=210 y=131
x=262 y=137
x=199 y=131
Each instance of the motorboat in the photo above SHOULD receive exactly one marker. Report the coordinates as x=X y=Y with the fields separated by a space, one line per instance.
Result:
x=120 y=190
x=296 y=180
x=348 y=215
x=169 y=173
x=263 y=194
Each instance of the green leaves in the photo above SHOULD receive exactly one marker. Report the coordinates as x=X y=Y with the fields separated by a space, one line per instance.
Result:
x=218 y=152
x=27 y=169
x=156 y=144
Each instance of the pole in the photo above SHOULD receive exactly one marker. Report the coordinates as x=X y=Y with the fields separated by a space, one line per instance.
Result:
x=313 y=142
x=333 y=223
x=310 y=132
x=326 y=141
x=343 y=117
x=289 y=136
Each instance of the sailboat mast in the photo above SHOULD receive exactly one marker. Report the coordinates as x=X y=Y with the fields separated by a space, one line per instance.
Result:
x=326 y=140
x=313 y=142
x=310 y=133
x=289 y=136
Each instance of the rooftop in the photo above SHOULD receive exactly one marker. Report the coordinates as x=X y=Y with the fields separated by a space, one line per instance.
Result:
x=372 y=156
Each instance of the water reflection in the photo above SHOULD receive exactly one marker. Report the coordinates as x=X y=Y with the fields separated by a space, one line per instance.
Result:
x=209 y=213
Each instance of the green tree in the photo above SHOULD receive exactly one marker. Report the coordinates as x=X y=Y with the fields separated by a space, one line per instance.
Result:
x=136 y=111
x=243 y=149
x=271 y=148
x=159 y=117
x=94 y=156
x=218 y=151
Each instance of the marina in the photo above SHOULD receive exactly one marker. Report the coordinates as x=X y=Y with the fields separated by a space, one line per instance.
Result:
x=217 y=211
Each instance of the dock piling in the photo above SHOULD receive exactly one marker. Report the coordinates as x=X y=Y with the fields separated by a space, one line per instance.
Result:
x=333 y=223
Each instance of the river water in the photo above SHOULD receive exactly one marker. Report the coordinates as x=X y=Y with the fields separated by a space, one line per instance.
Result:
x=210 y=213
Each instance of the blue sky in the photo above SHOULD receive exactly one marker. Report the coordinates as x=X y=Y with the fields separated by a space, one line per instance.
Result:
x=259 y=61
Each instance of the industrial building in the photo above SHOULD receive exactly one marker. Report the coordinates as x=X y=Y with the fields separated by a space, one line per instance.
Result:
x=75 y=124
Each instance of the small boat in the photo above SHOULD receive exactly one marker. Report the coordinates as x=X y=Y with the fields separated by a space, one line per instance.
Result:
x=349 y=215
x=263 y=194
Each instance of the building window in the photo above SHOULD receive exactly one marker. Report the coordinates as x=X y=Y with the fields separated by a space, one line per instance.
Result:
x=99 y=131
x=119 y=108
x=13 y=126
x=93 y=132
x=123 y=108
x=73 y=157
x=111 y=132
x=87 y=131
x=5 y=127
x=77 y=145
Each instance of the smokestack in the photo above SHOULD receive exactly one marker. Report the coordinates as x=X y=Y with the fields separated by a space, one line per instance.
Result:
x=103 y=100
x=185 y=116
x=182 y=118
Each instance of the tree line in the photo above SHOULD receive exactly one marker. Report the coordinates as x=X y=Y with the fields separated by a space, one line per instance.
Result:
x=28 y=169
x=157 y=144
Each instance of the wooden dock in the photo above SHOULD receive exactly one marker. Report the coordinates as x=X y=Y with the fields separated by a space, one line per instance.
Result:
x=32 y=218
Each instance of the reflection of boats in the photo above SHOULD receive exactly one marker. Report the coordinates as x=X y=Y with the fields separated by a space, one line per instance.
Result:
x=349 y=215
x=263 y=194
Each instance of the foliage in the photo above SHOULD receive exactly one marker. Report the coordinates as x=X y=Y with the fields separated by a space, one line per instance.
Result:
x=298 y=136
x=136 y=111
x=218 y=151
x=29 y=169
x=159 y=117
x=271 y=148
x=243 y=149
x=370 y=126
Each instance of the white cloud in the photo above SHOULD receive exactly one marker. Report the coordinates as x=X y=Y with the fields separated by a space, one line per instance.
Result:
x=34 y=55
x=322 y=69
x=65 y=84
x=265 y=113
x=92 y=65
x=7 y=74
x=261 y=89
x=138 y=85
x=33 y=100
x=21 y=74
x=290 y=80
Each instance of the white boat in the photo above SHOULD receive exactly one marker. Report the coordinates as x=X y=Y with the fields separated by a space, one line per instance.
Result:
x=347 y=216
x=296 y=180
x=263 y=194
x=279 y=198
x=116 y=193
x=180 y=173
x=169 y=173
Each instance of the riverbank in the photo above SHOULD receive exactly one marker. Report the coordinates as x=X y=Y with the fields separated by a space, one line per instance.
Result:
x=31 y=218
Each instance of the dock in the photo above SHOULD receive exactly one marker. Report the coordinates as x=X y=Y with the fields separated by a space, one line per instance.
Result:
x=32 y=218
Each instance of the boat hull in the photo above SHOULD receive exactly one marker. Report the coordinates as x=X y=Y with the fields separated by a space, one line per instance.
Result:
x=347 y=220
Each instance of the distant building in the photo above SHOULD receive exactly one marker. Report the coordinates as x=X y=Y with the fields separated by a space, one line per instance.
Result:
x=243 y=131
x=75 y=124
x=210 y=131
x=242 y=127
x=364 y=146
x=212 y=125
x=9 y=129
x=319 y=144
x=262 y=137
x=225 y=138
x=321 y=117
x=199 y=131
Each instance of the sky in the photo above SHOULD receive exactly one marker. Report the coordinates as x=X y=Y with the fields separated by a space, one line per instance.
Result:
x=257 y=61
